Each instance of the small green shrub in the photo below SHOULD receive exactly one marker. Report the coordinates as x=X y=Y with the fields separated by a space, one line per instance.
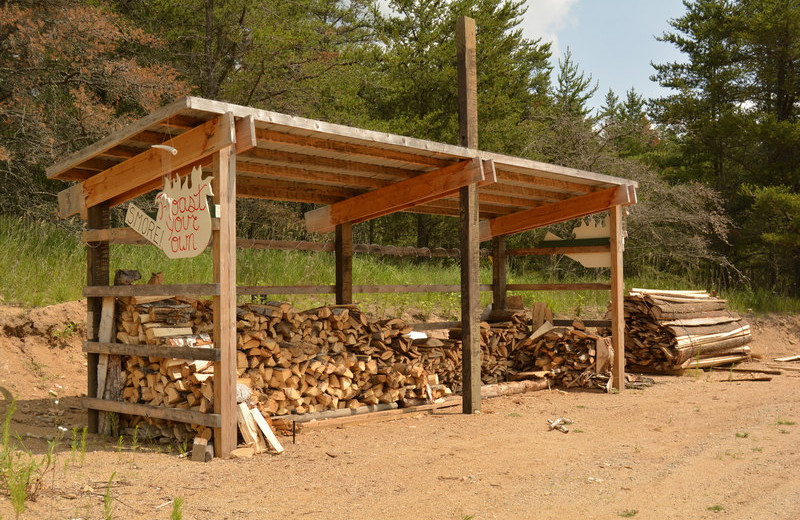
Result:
x=177 y=509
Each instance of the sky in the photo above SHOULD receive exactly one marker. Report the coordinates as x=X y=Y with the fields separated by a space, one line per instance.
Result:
x=613 y=40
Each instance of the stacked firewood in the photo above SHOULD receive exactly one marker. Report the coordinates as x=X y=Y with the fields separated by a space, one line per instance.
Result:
x=329 y=358
x=325 y=358
x=294 y=362
x=667 y=331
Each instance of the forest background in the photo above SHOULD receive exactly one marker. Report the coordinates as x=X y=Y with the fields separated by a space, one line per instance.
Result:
x=717 y=160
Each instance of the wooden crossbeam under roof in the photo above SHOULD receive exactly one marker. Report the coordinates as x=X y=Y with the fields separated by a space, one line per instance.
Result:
x=297 y=159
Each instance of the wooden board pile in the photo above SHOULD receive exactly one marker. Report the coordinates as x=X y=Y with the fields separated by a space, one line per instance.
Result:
x=669 y=331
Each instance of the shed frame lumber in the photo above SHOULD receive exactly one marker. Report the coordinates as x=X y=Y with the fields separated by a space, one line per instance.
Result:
x=542 y=251
x=396 y=197
x=156 y=412
x=468 y=218
x=244 y=290
x=160 y=351
x=559 y=286
x=120 y=291
x=617 y=299
x=557 y=212
x=224 y=302
x=153 y=163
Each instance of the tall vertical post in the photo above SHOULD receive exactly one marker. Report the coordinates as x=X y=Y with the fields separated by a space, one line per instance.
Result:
x=224 y=259
x=468 y=198
x=617 y=298
x=97 y=273
x=344 y=263
x=499 y=279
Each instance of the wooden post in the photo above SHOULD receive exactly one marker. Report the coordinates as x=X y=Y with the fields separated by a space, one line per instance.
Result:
x=224 y=258
x=97 y=273
x=468 y=197
x=499 y=279
x=344 y=263
x=617 y=298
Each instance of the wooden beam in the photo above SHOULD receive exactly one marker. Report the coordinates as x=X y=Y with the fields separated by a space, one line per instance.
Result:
x=396 y=197
x=499 y=281
x=155 y=412
x=344 y=263
x=123 y=235
x=576 y=207
x=162 y=351
x=532 y=251
x=224 y=303
x=265 y=188
x=515 y=178
x=154 y=163
x=244 y=141
x=97 y=274
x=316 y=144
x=119 y=291
x=468 y=215
x=245 y=290
x=558 y=286
x=329 y=164
x=617 y=299
x=309 y=175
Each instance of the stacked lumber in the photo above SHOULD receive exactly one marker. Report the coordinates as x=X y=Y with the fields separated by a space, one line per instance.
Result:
x=668 y=331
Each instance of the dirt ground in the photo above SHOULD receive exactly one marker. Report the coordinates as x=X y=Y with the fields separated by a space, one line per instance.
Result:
x=689 y=447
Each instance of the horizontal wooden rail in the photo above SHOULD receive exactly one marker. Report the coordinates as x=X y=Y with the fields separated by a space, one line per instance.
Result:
x=159 y=351
x=211 y=420
x=412 y=288
x=586 y=323
x=576 y=242
x=120 y=291
x=557 y=250
x=440 y=325
x=284 y=245
x=362 y=289
x=125 y=235
x=246 y=290
x=558 y=286
x=435 y=325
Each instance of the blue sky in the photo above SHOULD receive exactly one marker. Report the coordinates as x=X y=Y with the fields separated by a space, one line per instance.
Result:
x=613 y=40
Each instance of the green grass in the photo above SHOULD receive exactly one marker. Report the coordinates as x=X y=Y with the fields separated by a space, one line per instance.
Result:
x=45 y=264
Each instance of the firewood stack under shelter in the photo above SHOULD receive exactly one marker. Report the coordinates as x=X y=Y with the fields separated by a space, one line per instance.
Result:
x=670 y=331
x=334 y=357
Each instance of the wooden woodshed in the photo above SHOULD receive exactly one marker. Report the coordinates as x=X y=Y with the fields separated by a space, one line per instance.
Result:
x=356 y=175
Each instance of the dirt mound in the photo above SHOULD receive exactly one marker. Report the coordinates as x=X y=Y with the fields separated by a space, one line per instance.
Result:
x=40 y=350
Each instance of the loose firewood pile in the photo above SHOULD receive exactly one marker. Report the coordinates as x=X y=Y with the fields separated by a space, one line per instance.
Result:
x=575 y=357
x=668 y=331
x=329 y=358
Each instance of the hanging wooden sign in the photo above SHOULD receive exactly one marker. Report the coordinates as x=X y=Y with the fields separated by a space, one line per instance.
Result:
x=593 y=229
x=182 y=227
